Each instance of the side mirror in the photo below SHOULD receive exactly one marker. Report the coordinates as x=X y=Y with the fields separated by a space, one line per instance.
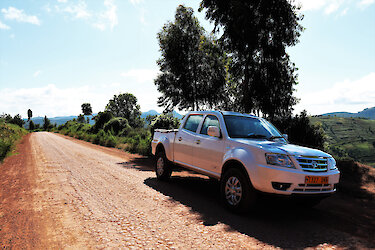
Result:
x=213 y=131
x=285 y=136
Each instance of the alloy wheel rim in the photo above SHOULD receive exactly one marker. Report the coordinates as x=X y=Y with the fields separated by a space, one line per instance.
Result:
x=233 y=191
x=160 y=166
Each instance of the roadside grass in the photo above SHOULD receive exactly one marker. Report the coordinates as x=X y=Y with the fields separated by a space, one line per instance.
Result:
x=349 y=138
x=133 y=140
x=10 y=134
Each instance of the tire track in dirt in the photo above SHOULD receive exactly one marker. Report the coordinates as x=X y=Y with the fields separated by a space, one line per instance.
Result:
x=86 y=196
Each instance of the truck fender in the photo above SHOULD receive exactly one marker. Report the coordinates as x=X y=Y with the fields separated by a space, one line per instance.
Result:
x=241 y=157
x=165 y=143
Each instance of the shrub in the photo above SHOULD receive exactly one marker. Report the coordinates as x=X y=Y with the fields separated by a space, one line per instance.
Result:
x=100 y=119
x=9 y=135
x=116 y=125
x=164 y=121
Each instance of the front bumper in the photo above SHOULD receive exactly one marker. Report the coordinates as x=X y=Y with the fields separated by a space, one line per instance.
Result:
x=278 y=180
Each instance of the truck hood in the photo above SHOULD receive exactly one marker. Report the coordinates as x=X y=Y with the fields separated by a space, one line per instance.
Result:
x=282 y=148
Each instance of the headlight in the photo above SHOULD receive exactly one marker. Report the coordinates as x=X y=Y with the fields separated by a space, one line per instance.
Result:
x=280 y=160
x=331 y=164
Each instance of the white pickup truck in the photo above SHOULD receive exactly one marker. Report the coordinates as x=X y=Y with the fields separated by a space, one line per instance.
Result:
x=247 y=154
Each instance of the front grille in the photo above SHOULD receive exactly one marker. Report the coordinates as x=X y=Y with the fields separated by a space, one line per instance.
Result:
x=314 y=187
x=312 y=164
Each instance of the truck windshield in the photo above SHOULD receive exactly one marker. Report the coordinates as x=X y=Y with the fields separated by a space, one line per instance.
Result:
x=248 y=127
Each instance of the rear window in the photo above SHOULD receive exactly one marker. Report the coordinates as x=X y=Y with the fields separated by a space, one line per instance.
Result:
x=209 y=121
x=192 y=122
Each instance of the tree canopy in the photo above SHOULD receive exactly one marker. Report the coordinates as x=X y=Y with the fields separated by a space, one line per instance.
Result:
x=255 y=33
x=126 y=106
x=191 y=64
x=86 y=109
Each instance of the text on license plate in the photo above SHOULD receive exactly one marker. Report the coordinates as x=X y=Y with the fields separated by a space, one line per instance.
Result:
x=316 y=179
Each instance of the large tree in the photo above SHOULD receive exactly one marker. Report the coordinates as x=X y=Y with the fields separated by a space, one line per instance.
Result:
x=191 y=64
x=255 y=33
x=125 y=105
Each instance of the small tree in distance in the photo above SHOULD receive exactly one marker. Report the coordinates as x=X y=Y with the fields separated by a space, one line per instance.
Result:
x=46 y=123
x=29 y=114
x=31 y=125
x=86 y=109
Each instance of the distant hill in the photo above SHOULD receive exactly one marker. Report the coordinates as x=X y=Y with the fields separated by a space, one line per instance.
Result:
x=58 y=120
x=153 y=112
x=63 y=119
x=353 y=137
x=368 y=113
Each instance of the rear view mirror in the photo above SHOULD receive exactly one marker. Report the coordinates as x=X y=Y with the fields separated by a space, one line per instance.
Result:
x=213 y=131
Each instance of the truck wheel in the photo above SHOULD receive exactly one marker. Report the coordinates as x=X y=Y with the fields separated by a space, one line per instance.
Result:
x=162 y=166
x=236 y=191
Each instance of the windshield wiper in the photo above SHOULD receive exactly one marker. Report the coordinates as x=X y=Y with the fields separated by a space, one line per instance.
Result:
x=274 y=137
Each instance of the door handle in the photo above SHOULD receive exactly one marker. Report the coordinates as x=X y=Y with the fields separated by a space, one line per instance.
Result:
x=180 y=138
x=198 y=141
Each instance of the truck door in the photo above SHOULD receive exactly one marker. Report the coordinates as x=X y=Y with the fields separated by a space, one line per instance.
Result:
x=208 y=150
x=183 y=151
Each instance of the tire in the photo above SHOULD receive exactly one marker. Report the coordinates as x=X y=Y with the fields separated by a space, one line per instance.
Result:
x=163 y=168
x=237 y=192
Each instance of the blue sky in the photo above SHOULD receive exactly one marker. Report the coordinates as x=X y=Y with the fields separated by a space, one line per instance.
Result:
x=55 y=55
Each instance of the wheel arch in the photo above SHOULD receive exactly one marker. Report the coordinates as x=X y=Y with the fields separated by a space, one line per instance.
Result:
x=233 y=163
x=159 y=148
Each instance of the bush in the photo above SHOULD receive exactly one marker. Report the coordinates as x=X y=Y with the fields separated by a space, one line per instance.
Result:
x=115 y=125
x=9 y=135
x=164 y=121
x=100 y=119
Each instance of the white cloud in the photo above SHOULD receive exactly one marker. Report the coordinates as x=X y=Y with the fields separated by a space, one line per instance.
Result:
x=37 y=73
x=19 y=15
x=141 y=75
x=365 y=3
x=348 y=95
x=108 y=18
x=62 y=1
x=100 y=19
x=3 y=26
x=343 y=13
x=136 y=2
x=53 y=101
x=332 y=6
x=78 y=11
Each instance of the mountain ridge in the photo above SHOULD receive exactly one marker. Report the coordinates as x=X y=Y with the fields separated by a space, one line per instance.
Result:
x=63 y=119
x=368 y=113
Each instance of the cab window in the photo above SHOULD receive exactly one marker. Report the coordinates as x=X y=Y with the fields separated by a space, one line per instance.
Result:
x=192 y=122
x=210 y=120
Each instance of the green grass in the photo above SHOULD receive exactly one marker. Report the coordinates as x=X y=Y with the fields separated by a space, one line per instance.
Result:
x=9 y=135
x=133 y=140
x=349 y=138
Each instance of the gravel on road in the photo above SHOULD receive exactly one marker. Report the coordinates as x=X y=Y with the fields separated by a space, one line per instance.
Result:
x=87 y=196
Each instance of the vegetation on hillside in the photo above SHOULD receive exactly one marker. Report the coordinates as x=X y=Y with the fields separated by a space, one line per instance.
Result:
x=349 y=137
x=9 y=135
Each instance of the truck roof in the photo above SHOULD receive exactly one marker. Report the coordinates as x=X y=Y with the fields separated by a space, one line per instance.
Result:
x=223 y=113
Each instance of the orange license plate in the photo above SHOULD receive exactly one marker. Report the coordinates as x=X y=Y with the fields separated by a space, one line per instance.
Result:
x=316 y=179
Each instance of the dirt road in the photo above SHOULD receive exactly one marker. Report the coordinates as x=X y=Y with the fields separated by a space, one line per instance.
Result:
x=60 y=192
